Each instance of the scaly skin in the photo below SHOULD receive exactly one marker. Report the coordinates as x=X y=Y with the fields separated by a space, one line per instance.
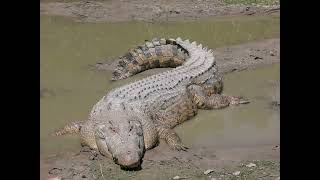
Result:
x=131 y=119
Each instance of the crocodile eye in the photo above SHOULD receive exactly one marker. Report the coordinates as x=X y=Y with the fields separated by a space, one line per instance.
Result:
x=115 y=159
x=112 y=129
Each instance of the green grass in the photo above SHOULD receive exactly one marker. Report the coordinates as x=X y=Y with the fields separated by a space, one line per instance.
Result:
x=247 y=2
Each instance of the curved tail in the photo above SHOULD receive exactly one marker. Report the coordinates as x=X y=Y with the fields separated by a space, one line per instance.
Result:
x=71 y=128
x=158 y=53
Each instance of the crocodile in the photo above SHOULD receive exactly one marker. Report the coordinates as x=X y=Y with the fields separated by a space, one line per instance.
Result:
x=132 y=118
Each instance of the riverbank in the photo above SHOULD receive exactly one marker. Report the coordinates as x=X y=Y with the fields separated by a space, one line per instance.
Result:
x=260 y=162
x=154 y=10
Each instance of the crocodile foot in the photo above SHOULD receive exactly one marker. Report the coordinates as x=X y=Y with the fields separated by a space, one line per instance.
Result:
x=236 y=100
x=178 y=147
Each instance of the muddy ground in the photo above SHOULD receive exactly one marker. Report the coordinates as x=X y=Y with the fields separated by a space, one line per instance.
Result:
x=163 y=163
x=152 y=10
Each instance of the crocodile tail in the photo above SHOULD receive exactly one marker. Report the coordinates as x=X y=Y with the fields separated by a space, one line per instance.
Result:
x=157 y=53
x=71 y=128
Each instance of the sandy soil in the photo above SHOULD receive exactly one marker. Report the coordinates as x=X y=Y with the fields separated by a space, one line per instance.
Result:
x=150 y=10
x=162 y=163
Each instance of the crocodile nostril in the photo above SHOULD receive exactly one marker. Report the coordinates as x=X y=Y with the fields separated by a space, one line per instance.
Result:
x=128 y=152
x=115 y=159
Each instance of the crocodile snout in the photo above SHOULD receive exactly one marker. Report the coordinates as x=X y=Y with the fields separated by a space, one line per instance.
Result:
x=129 y=159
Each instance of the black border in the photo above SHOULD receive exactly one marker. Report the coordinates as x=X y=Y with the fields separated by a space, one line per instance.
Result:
x=299 y=90
x=20 y=130
x=20 y=80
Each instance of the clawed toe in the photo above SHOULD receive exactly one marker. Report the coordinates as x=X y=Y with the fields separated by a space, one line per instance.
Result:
x=243 y=100
x=236 y=100
x=179 y=147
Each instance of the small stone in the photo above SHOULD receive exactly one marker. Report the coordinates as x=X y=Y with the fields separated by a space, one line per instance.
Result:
x=255 y=57
x=54 y=178
x=149 y=45
x=55 y=171
x=156 y=43
x=251 y=165
x=272 y=53
x=237 y=173
x=208 y=171
x=162 y=41
x=276 y=147
x=176 y=177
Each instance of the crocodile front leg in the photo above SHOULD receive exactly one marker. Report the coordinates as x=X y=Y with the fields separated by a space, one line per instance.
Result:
x=100 y=140
x=173 y=114
x=172 y=138
x=214 y=101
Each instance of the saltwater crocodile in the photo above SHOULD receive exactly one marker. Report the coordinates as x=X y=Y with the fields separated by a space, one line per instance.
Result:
x=132 y=118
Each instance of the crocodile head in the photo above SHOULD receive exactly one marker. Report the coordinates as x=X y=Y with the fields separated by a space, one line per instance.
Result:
x=122 y=137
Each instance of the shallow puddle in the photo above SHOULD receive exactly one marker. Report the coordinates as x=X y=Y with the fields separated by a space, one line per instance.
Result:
x=256 y=123
x=69 y=89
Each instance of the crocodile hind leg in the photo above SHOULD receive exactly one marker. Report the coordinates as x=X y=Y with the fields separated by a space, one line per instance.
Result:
x=88 y=139
x=85 y=130
x=87 y=135
x=213 y=101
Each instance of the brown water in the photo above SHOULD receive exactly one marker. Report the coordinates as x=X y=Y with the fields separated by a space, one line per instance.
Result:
x=67 y=48
x=246 y=125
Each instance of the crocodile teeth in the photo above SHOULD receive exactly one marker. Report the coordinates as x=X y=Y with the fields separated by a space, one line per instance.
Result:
x=194 y=43
x=187 y=41
x=200 y=46
x=179 y=39
x=205 y=48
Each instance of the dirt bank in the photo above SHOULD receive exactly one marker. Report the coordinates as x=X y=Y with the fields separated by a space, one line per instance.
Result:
x=230 y=58
x=151 y=10
x=162 y=163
